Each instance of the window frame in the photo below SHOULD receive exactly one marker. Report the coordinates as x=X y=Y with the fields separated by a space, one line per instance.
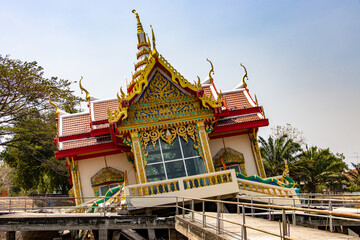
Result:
x=183 y=159
x=107 y=185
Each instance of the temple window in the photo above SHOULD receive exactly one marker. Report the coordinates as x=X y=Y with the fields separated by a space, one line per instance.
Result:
x=105 y=179
x=231 y=159
x=234 y=166
x=103 y=189
x=178 y=159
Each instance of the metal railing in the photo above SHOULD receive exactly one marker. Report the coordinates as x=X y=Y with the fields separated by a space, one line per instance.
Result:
x=284 y=226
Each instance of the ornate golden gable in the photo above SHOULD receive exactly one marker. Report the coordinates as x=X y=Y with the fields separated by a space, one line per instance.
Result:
x=163 y=102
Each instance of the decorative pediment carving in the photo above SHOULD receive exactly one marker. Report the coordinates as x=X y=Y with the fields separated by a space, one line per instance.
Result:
x=107 y=174
x=229 y=156
x=162 y=100
x=160 y=89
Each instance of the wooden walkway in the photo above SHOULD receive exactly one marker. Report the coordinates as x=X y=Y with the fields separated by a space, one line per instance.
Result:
x=195 y=230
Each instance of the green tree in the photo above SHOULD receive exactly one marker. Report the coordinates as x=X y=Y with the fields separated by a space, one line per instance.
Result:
x=28 y=125
x=24 y=93
x=275 y=151
x=319 y=167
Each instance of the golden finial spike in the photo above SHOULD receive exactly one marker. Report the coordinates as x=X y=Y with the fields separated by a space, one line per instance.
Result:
x=118 y=97
x=154 y=52
x=256 y=101
x=83 y=89
x=57 y=111
x=211 y=71
x=198 y=82
x=122 y=93
x=148 y=40
x=139 y=25
x=245 y=76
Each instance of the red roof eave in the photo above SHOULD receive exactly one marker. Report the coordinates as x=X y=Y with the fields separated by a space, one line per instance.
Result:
x=239 y=126
x=87 y=149
x=239 y=112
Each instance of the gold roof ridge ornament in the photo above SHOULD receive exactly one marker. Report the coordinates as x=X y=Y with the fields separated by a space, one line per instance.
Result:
x=139 y=25
x=83 y=89
x=211 y=71
x=57 y=111
x=245 y=76
x=148 y=41
x=154 y=53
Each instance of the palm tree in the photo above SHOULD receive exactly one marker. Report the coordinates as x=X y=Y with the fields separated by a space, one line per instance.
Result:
x=319 y=167
x=274 y=151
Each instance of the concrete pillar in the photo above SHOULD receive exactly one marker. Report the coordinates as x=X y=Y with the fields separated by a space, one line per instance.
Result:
x=10 y=235
x=151 y=234
x=104 y=234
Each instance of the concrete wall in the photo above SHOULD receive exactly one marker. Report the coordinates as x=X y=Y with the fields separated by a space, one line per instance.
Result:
x=88 y=168
x=240 y=143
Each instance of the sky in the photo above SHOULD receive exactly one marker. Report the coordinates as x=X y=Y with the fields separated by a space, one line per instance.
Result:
x=302 y=57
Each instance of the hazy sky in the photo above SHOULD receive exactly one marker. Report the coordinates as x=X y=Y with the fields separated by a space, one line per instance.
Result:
x=303 y=57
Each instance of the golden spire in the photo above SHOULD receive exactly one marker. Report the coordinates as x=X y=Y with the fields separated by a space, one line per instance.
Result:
x=245 y=76
x=154 y=52
x=211 y=71
x=122 y=93
x=57 y=111
x=198 y=82
x=139 y=26
x=83 y=89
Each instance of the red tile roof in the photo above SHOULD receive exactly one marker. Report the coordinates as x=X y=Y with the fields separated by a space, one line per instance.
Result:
x=236 y=100
x=83 y=143
x=100 y=109
x=72 y=125
x=237 y=120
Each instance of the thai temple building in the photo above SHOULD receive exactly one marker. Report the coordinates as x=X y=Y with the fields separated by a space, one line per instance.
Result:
x=164 y=135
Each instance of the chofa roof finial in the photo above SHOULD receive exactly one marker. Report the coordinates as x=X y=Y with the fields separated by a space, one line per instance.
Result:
x=83 y=89
x=211 y=71
x=57 y=111
x=245 y=76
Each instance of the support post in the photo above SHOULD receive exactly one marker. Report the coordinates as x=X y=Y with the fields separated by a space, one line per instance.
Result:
x=10 y=235
x=284 y=227
x=177 y=206
x=103 y=234
x=151 y=234
x=218 y=224
x=244 y=233
x=183 y=208
x=237 y=206
x=203 y=216
x=192 y=211
x=330 y=216
x=269 y=209
x=294 y=214
x=252 y=207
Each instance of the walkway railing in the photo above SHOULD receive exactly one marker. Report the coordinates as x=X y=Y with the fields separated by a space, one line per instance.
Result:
x=284 y=227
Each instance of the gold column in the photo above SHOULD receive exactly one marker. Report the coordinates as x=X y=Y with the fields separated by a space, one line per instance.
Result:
x=256 y=152
x=76 y=181
x=205 y=147
x=138 y=158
